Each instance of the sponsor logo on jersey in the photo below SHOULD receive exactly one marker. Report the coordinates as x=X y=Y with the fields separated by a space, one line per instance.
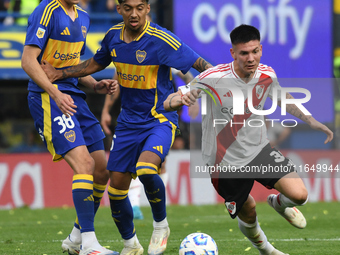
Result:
x=158 y=148
x=256 y=107
x=131 y=77
x=70 y=136
x=68 y=56
x=231 y=207
x=227 y=110
x=66 y=31
x=40 y=32
x=84 y=31
x=140 y=55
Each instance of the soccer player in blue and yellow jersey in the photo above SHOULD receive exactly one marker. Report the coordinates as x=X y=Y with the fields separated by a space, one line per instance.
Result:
x=56 y=33
x=143 y=54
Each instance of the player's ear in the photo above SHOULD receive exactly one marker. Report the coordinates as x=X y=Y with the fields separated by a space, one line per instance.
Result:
x=148 y=8
x=118 y=8
x=232 y=52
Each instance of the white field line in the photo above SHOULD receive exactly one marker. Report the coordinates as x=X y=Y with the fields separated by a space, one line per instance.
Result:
x=337 y=239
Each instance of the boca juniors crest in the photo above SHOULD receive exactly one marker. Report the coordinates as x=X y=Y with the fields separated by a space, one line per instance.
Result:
x=84 y=31
x=70 y=136
x=140 y=55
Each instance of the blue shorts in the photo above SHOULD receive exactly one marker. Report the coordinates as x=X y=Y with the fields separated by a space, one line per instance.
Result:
x=60 y=133
x=129 y=143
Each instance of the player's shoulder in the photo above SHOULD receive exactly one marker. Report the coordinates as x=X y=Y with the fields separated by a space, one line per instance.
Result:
x=81 y=11
x=161 y=35
x=44 y=12
x=115 y=29
x=268 y=70
x=216 y=71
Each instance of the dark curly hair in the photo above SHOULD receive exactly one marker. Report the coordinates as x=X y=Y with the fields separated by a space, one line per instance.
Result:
x=122 y=1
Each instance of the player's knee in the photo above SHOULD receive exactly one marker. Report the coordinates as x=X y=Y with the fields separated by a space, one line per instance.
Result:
x=248 y=211
x=248 y=215
x=101 y=176
x=301 y=197
x=86 y=166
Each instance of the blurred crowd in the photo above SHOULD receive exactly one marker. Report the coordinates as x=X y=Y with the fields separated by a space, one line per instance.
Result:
x=17 y=11
x=16 y=8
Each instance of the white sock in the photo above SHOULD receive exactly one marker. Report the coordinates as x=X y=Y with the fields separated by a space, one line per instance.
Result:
x=133 y=241
x=165 y=178
x=162 y=224
x=281 y=202
x=89 y=240
x=134 y=192
x=256 y=236
x=75 y=235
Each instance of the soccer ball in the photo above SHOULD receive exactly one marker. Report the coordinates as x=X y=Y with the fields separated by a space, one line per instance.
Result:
x=198 y=244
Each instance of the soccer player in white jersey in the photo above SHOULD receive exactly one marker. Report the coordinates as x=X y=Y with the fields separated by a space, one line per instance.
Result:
x=236 y=144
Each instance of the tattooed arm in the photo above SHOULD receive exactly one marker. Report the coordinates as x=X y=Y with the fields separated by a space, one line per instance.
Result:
x=85 y=68
x=175 y=100
x=313 y=123
x=201 y=65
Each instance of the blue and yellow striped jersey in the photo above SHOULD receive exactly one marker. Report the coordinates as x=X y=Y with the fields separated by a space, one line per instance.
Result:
x=144 y=70
x=61 y=40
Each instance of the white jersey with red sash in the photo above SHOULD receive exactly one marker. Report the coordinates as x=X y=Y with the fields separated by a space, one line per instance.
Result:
x=229 y=139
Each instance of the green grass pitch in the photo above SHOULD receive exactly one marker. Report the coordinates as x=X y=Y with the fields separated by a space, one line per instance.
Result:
x=26 y=231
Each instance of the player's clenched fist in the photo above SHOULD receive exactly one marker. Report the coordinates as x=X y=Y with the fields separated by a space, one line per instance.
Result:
x=106 y=86
x=189 y=98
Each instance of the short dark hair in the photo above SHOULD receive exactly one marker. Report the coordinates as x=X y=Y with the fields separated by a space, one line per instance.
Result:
x=244 y=33
x=122 y=1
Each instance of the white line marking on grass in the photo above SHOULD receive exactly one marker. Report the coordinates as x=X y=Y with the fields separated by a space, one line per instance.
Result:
x=289 y=240
x=337 y=239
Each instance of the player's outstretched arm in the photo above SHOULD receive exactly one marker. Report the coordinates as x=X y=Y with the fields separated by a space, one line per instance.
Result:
x=313 y=123
x=32 y=67
x=85 y=68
